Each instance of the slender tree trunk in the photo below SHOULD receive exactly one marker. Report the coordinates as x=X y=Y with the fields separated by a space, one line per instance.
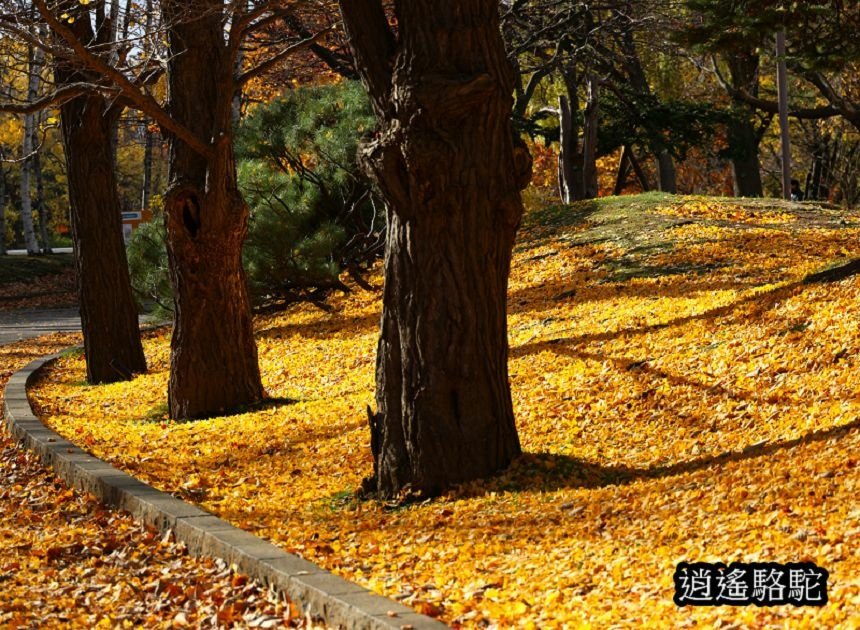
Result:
x=35 y=58
x=569 y=166
x=623 y=171
x=784 y=131
x=146 y=185
x=2 y=209
x=214 y=365
x=589 y=142
x=637 y=168
x=632 y=64
x=570 y=163
x=41 y=208
x=108 y=314
x=451 y=172
x=813 y=188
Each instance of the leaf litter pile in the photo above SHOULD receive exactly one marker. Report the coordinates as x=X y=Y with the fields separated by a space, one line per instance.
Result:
x=67 y=561
x=681 y=394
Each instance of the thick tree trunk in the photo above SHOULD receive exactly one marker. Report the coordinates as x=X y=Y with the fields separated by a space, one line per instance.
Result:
x=746 y=169
x=743 y=137
x=108 y=315
x=666 y=173
x=447 y=163
x=214 y=365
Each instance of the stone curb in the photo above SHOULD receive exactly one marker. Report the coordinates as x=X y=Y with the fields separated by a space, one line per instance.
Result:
x=318 y=593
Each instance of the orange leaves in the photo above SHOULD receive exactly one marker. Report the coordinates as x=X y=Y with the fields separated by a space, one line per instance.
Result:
x=679 y=394
x=65 y=562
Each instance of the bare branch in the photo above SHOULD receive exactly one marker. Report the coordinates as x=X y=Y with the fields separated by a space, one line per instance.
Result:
x=54 y=99
x=276 y=59
x=140 y=100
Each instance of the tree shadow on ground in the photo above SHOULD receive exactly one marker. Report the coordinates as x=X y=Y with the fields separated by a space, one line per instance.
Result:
x=323 y=327
x=547 y=472
x=581 y=289
x=762 y=301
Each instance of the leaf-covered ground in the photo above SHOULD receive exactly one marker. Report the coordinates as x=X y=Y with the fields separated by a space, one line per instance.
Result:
x=37 y=282
x=680 y=395
x=67 y=562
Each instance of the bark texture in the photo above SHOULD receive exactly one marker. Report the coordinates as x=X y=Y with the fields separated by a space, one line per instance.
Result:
x=108 y=314
x=41 y=207
x=446 y=160
x=2 y=209
x=570 y=158
x=743 y=136
x=35 y=60
x=589 y=141
x=214 y=365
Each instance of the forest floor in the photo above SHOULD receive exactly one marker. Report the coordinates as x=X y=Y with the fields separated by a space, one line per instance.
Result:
x=67 y=562
x=37 y=282
x=682 y=391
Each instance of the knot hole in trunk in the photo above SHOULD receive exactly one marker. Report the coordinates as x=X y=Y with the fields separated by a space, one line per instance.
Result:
x=190 y=213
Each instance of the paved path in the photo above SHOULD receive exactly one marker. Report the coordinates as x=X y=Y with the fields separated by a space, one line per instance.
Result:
x=17 y=325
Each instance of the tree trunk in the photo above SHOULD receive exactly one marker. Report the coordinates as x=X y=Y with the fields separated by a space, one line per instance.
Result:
x=108 y=314
x=146 y=186
x=666 y=173
x=743 y=142
x=623 y=171
x=589 y=141
x=569 y=157
x=635 y=71
x=743 y=137
x=784 y=129
x=2 y=209
x=451 y=172
x=570 y=163
x=34 y=65
x=41 y=208
x=214 y=365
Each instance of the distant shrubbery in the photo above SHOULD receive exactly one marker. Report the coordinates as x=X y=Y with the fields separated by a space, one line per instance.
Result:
x=313 y=212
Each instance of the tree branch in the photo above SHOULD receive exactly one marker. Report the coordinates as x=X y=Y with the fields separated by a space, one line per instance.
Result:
x=772 y=107
x=848 y=110
x=140 y=100
x=273 y=61
x=56 y=98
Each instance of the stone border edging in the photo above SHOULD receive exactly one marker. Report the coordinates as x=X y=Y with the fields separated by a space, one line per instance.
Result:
x=314 y=590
